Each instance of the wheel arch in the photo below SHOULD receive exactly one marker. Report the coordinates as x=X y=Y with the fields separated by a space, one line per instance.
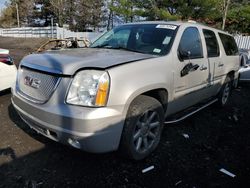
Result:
x=231 y=74
x=159 y=93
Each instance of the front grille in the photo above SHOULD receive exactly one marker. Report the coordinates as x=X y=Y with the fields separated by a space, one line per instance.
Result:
x=36 y=86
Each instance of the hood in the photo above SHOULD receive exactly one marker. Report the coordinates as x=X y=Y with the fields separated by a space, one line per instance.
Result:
x=67 y=62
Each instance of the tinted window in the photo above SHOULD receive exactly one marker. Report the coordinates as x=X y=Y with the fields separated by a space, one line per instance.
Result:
x=229 y=44
x=211 y=43
x=191 y=42
x=144 y=38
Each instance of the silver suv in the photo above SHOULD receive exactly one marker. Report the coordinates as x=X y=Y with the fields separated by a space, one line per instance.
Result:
x=130 y=82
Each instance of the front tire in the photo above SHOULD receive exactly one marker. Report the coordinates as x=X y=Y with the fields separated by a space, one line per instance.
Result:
x=142 y=129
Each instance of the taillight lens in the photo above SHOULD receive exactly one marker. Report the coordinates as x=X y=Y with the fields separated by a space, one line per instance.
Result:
x=6 y=60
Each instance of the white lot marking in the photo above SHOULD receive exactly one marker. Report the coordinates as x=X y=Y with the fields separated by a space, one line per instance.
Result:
x=227 y=173
x=148 y=169
x=186 y=136
x=178 y=183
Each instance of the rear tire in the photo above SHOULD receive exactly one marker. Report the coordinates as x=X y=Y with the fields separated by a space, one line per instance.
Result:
x=142 y=129
x=225 y=92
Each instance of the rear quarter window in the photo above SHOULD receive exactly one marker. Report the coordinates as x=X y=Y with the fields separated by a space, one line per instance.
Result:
x=229 y=44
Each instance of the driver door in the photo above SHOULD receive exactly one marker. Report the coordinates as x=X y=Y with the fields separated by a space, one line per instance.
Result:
x=192 y=70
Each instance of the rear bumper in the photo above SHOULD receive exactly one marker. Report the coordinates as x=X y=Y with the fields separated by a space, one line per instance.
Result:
x=94 y=130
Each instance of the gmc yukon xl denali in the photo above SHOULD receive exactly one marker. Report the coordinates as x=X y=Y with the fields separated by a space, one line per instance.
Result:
x=119 y=93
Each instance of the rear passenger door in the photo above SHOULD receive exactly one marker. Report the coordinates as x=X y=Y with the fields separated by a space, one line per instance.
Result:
x=216 y=66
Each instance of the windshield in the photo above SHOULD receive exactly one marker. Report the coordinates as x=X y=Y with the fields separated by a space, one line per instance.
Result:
x=144 y=38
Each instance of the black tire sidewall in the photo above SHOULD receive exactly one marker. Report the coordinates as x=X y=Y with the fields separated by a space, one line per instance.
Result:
x=137 y=108
x=228 y=80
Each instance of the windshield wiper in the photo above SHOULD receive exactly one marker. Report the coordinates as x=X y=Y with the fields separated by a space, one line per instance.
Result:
x=127 y=49
x=110 y=47
x=116 y=48
x=119 y=47
x=102 y=46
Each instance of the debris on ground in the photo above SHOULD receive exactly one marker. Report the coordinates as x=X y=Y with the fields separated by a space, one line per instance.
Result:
x=148 y=169
x=227 y=173
x=185 y=136
x=30 y=184
x=177 y=183
x=40 y=183
x=235 y=118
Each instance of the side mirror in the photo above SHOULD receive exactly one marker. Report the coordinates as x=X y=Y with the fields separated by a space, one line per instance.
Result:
x=183 y=55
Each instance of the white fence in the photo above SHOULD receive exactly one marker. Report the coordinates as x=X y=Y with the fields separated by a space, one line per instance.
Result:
x=48 y=32
x=60 y=33
x=243 y=41
x=28 y=32
x=65 y=33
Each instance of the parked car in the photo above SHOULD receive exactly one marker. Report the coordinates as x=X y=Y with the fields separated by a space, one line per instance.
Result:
x=130 y=82
x=8 y=70
x=59 y=44
x=244 y=72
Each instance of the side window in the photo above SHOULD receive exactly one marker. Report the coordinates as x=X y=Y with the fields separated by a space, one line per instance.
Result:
x=229 y=44
x=191 y=43
x=211 y=43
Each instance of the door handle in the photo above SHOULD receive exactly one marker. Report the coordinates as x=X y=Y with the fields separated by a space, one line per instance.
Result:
x=203 y=67
x=190 y=67
x=220 y=65
x=195 y=67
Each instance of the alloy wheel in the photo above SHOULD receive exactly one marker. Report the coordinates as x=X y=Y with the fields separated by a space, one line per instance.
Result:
x=146 y=131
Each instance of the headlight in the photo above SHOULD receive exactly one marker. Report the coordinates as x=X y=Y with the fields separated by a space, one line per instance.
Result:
x=89 y=88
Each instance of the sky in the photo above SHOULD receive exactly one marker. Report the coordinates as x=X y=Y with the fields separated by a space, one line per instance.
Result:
x=2 y=2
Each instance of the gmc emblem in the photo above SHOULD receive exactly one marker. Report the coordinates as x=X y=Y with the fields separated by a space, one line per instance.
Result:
x=32 y=82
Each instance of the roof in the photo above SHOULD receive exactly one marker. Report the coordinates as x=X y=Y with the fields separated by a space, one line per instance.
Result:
x=178 y=23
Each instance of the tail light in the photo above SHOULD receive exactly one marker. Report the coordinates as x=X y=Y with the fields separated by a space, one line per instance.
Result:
x=6 y=60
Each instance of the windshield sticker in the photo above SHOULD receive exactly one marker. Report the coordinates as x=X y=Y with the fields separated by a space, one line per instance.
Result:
x=166 y=40
x=172 y=27
x=137 y=36
x=157 y=50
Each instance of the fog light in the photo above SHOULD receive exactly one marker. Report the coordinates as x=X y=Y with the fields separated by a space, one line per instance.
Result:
x=74 y=143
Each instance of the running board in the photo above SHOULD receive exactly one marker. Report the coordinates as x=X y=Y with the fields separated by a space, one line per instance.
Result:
x=191 y=113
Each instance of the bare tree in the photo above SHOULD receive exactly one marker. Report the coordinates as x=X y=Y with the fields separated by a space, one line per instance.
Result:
x=225 y=7
x=59 y=8
x=23 y=10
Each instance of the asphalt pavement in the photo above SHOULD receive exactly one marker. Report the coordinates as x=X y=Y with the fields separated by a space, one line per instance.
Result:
x=191 y=154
